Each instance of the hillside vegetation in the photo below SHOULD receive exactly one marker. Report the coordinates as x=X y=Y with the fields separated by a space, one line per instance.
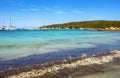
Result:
x=85 y=24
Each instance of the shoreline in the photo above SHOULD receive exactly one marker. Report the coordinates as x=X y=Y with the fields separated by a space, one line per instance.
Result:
x=90 y=29
x=87 y=64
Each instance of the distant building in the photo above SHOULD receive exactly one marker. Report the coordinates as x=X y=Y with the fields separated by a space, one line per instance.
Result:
x=44 y=28
x=34 y=28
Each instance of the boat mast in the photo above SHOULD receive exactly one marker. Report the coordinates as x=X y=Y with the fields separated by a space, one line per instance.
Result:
x=10 y=22
x=0 y=22
x=3 y=21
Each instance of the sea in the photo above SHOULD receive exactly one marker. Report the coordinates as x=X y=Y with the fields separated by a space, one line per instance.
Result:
x=27 y=47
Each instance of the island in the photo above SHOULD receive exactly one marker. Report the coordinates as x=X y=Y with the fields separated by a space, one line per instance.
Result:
x=100 y=25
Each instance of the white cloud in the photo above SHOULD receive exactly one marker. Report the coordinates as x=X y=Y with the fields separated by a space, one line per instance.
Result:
x=60 y=12
x=77 y=11
x=24 y=10
x=100 y=17
x=55 y=10
x=34 y=9
x=31 y=9
x=47 y=9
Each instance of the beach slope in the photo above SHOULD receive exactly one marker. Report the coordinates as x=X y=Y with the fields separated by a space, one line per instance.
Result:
x=84 y=67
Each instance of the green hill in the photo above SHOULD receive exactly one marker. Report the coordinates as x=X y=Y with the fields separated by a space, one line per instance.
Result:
x=85 y=24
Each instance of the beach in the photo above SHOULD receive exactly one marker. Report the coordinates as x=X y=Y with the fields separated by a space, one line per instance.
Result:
x=59 y=39
x=115 y=73
x=58 y=53
x=82 y=67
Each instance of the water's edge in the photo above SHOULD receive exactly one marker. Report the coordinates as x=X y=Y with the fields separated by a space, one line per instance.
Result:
x=73 y=67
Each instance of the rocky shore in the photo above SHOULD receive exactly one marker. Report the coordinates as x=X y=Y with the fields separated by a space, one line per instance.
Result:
x=72 y=68
x=92 y=29
x=104 y=29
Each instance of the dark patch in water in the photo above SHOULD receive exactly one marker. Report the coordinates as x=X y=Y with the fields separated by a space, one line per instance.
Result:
x=57 y=56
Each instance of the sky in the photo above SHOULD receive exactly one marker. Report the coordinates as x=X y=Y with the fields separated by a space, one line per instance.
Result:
x=35 y=13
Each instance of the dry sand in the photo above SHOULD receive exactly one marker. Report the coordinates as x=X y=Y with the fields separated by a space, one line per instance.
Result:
x=115 y=73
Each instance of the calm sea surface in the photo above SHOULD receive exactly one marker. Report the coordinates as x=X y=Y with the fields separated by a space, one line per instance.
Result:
x=18 y=48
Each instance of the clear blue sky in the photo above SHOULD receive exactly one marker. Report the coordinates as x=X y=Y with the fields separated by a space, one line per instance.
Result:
x=33 y=13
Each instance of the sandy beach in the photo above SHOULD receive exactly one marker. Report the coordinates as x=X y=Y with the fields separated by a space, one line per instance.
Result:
x=115 y=73
x=95 y=66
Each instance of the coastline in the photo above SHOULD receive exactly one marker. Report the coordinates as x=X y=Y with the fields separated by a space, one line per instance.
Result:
x=84 y=65
x=91 y=29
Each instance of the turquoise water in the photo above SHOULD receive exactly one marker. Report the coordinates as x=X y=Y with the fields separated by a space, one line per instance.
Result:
x=21 y=44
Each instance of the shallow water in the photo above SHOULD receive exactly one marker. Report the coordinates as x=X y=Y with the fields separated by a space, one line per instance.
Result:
x=20 y=47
